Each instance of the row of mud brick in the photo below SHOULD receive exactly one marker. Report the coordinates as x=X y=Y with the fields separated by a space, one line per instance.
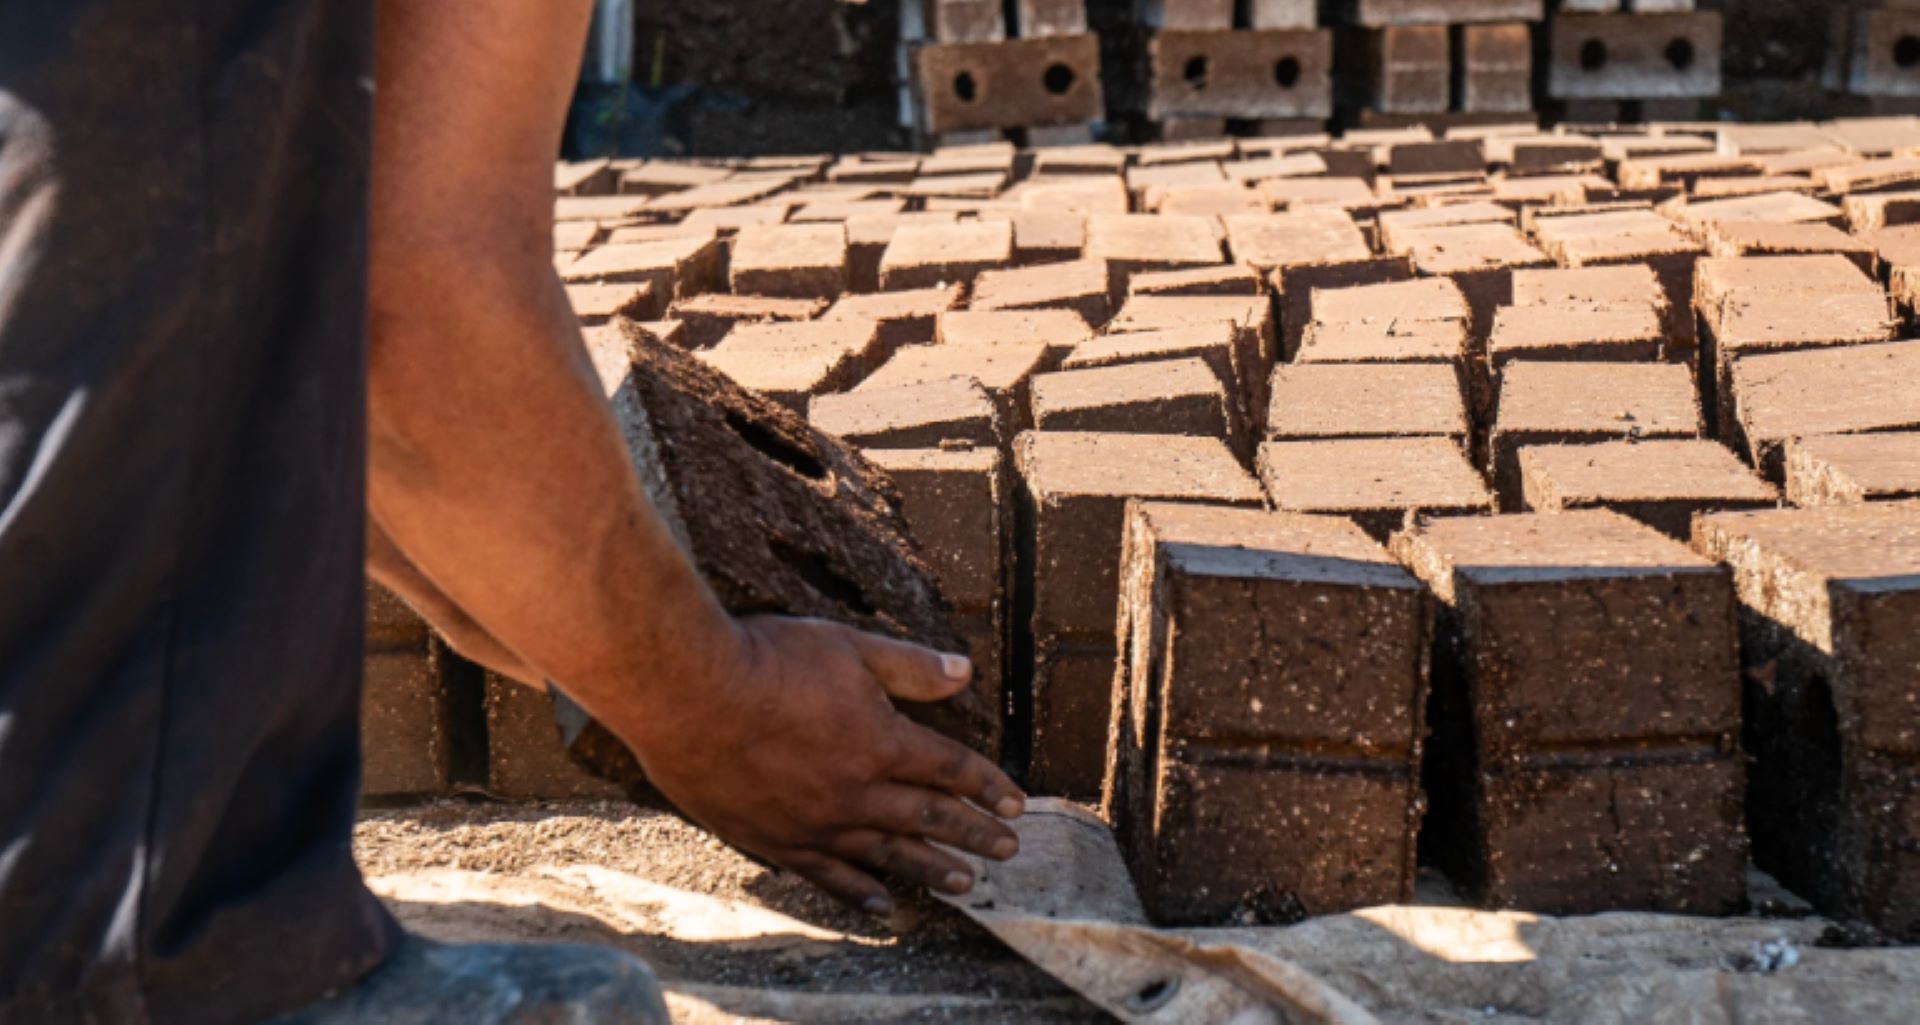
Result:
x=1410 y=350
x=1193 y=67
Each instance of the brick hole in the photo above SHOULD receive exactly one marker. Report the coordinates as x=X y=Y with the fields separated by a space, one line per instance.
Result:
x=1593 y=55
x=1680 y=53
x=777 y=448
x=1195 y=72
x=964 y=87
x=819 y=574
x=1286 y=73
x=1059 y=79
x=1906 y=52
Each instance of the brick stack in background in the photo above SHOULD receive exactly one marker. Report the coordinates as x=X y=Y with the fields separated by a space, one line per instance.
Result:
x=972 y=77
x=1272 y=70
x=1444 y=64
x=1874 y=52
x=1633 y=60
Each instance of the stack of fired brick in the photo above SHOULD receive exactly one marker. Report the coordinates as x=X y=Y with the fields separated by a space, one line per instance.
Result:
x=1445 y=60
x=1273 y=69
x=1631 y=60
x=1873 y=50
x=1322 y=517
x=974 y=76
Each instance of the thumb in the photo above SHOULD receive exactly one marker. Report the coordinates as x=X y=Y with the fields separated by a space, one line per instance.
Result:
x=910 y=672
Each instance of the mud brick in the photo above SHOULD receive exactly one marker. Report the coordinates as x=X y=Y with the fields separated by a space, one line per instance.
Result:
x=1147 y=179
x=1081 y=286
x=583 y=178
x=1243 y=784
x=1587 y=701
x=405 y=721
x=842 y=210
x=1523 y=193
x=1662 y=484
x=951 y=410
x=1044 y=236
x=1075 y=490
x=1226 y=279
x=597 y=304
x=659 y=177
x=527 y=756
x=1377 y=13
x=1575 y=403
x=634 y=234
x=905 y=318
x=665 y=332
x=1352 y=195
x=1061 y=331
x=1682 y=170
x=597 y=208
x=776 y=516
x=1252 y=319
x=1875 y=210
x=575 y=235
x=1779 y=303
x=1545 y=154
x=1628 y=285
x=1897 y=262
x=1100 y=194
x=1131 y=243
x=1497 y=69
x=1894 y=174
x=1440 y=158
x=1425 y=321
x=674 y=267
x=1757 y=185
x=790 y=362
x=1480 y=258
x=1022 y=83
x=1395 y=225
x=730 y=221
x=869 y=235
x=1244 y=74
x=1088 y=159
x=1871 y=51
x=1165 y=397
x=966 y=21
x=854 y=170
x=1290 y=165
x=1728 y=239
x=1829 y=602
x=1383 y=400
x=1768 y=208
x=1290 y=14
x=925 y=256
x=1412 y=68
x=1635 y=57
x=1004 y=369
x=1305 y=253
x=1381 y=483
x=958 y=503
x=1853 y=389
x=709 y=318
x=1583 y=334
x=1211 y=201
x=957 y=188
x=1630 y=236
x=1038 y=18
x=1217 y=344
x=1874 y=136
x=727 y=193
x=1841 y=469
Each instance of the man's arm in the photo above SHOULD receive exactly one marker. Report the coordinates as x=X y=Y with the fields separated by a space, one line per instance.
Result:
x=499 y=475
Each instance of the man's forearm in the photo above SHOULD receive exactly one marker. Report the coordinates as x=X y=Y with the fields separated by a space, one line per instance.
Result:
x=388 y=565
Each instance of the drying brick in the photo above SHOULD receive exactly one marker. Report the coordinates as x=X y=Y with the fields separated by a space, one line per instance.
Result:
x=791 y=362
x=922 y=256
x=404 y=715
x=1849 y=390
x=1367 y=400
x=1573 y=403
x=708 y=318
x=1660 y=483
x=797 y=261
x=1004 y=369
x=1183 y=396
x=1840 y=469
x=928 y=414
x=1381 y=483
x=1304 y=253
x=905 y=318
x=1082 y=286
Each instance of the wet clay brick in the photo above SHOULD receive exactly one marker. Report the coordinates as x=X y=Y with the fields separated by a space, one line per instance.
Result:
x=597 y=304
x=796 y=261
x=905 y=318
x=777 y=517
x=1626 y=285
x=1380 y=482
x=1061 y=331
x=674 y=267
x=913 y=416
x=527 y=758
x=1075 y=488
x=1306 y=252
x=1830 y=603
x=1204 y=200
x=1578 y=333
x=790 y=362
x=1840 y=469
x=868 y=238
x=1662 y=484
x=1182 y=396
x=1850 y=390
x=923 y=256
x=709 y=318
x=1424 y=321
x=404 y=716
x=1267 y=715
x=1131 y=243
x=1367 y=400
x=1586 y=709
x=1082 y=286
x=1573 y=403
x=1749 y=238
x=1213 y=344
x=1396 y=224
x=1004 y=369
x=1226 y=279
x=958 y=504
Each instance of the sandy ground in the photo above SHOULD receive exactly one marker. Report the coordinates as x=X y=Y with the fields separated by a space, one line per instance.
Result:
x=730 y=940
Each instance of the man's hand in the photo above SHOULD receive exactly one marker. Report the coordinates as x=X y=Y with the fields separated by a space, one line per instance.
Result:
x=796 y=755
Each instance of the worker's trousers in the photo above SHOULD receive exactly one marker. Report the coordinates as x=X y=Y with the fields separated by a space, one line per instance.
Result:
x=183 y=195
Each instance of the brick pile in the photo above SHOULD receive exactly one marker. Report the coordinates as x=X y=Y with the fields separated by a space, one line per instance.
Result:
x=1310 y=515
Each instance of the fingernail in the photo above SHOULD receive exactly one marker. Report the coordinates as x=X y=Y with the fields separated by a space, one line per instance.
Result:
x=1009 y=807
x=878 y=906
x=957 y=667
x=959 y=882
x=1005 y=847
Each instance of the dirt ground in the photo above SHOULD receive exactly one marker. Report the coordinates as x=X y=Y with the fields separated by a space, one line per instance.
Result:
x=730 y=940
